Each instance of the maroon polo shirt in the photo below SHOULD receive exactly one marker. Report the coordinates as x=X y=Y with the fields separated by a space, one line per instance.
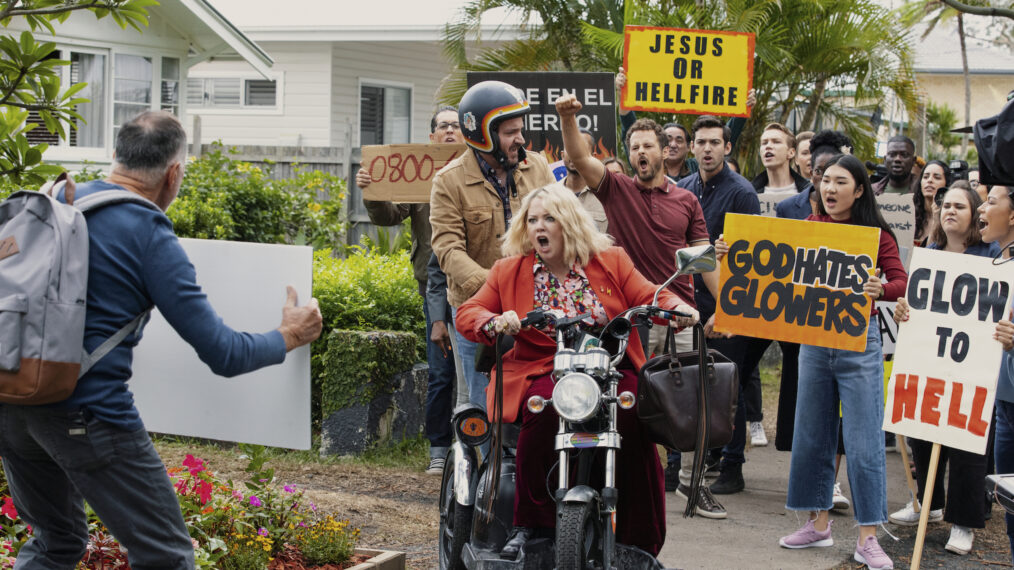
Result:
x=650 y=224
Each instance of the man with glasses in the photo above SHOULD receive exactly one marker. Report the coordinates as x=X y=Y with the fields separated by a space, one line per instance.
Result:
x=444 y=128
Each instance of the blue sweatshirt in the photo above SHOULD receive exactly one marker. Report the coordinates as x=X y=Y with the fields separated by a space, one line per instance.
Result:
x=136 y=261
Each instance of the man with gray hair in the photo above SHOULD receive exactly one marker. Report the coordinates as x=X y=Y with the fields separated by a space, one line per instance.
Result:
x=93 y=446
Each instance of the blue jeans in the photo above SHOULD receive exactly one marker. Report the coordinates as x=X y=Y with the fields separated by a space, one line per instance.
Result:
x=826 y=376
x=1003 y=450
x=439 y=394
x=477 y=381
x=56 y=460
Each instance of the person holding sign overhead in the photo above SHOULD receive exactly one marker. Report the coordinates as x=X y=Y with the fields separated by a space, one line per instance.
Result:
x=957 y=230
x=827 y=376
x=650 y=218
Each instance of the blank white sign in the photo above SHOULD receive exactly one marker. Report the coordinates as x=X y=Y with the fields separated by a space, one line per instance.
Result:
x=178 y=394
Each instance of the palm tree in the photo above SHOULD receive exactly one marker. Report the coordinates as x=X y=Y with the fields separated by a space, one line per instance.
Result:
x=837 y=57
x=552 y=41
x=934 y=12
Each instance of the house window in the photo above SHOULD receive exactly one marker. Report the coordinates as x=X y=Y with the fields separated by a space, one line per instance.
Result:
x=115 y=94
x=132 y=88
x=231 y=93
x=171 y=85
x=384 y=114
x=89 y=130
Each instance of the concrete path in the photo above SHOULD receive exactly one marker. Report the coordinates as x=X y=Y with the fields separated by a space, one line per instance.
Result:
x=748 y=538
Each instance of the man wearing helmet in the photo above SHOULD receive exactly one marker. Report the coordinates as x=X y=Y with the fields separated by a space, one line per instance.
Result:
x=473 y=198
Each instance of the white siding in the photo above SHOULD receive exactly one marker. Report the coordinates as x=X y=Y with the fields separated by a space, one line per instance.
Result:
x=420 y=64
x=305 y=99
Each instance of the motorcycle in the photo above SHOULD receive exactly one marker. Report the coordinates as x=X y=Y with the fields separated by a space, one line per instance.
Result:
x=474 y=527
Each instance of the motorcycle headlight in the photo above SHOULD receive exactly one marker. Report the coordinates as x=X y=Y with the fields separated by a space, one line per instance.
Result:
x=576 y=397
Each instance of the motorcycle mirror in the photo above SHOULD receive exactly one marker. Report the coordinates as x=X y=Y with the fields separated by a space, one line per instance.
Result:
x=697 y=259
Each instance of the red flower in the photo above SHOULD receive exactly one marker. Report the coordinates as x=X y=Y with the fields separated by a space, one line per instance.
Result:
x=8 y=509
x=204 y=491
x=194 y=464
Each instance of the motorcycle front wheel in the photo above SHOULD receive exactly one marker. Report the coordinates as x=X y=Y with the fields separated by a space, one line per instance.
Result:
x=577 y=533
x=455 y=521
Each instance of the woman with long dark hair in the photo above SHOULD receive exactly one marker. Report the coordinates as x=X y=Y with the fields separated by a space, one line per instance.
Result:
x=827 y=376
x=934 y=176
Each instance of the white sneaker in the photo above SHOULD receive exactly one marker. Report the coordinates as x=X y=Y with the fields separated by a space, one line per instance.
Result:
x=436 y=466
x=839 y=502
x=908 y=516
x=757 y=436
x=961 y=540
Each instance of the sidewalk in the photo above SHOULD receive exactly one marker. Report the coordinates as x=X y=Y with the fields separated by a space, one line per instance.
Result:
x=748 y=538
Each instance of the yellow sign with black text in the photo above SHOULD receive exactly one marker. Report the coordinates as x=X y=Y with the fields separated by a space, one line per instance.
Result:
x=700 y=72
x=797 y=281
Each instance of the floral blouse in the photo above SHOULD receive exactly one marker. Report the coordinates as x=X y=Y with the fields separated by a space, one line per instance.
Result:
x=570 y=298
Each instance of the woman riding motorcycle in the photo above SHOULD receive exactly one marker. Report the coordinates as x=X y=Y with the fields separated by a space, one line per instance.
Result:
x=556 y=260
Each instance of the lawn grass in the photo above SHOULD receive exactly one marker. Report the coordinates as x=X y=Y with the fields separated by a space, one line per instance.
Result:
x=410 y=453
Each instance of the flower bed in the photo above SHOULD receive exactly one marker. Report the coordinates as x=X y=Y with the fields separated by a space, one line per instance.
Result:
x=254 y=525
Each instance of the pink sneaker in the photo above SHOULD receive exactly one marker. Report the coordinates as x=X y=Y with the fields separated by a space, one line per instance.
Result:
x=808 y=536
x=870 y=554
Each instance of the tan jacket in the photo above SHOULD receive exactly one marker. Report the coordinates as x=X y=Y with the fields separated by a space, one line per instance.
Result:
x=467 y=219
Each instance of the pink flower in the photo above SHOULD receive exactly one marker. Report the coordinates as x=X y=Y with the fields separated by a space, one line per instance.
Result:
x=237 y=495
x=8 y=510
x=255 y=502
x=289 y=488
x=204 y=491
x=194 y=464
x=262 y=531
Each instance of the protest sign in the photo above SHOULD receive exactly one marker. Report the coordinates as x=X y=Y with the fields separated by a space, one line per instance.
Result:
x=888 y=328
x=768 y=202
x=942 y=385
x=404 y=172
x=177 y=393
x=796 y=281
x=700 y=72
x=542 y=125
x=899 y=213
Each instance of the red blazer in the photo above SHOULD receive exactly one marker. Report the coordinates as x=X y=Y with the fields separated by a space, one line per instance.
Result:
x=510 y=286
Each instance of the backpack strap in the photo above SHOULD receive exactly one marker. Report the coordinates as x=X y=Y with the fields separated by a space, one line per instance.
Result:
x=93 y=202
x=105 y=198
x=89 y=359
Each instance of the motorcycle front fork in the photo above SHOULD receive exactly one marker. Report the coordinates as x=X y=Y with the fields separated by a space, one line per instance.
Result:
x=607 y=499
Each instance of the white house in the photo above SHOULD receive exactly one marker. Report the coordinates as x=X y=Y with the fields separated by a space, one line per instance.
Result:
x=128 y=71
x=345 y=75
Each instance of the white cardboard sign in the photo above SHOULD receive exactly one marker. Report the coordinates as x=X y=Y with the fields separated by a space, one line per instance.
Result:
x=946 y=362
x=899 y=213
x=178 y=394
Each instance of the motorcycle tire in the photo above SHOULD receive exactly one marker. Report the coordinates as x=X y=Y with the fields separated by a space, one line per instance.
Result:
x=578 y=532
x=455 y=521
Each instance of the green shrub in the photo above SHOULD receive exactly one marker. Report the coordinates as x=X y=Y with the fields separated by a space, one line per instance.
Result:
x=204 y=216
x=354 y=367
x=224 y=198
x=369 y=291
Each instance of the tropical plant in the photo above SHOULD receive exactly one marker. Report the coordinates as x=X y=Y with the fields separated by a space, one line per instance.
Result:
x=832 y=60
x=933 y=13
x=940 y=119
x=30 y=79
x=828 y=58
x=550 y=31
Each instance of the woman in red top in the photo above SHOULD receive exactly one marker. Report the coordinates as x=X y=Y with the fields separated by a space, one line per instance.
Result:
x=827 y=376
x=557 y=260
